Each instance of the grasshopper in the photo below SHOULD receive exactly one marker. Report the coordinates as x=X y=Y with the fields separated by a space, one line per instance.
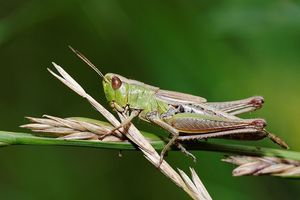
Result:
x=184 y=116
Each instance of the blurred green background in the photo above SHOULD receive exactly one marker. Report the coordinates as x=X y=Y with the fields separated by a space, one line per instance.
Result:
x=222 y=50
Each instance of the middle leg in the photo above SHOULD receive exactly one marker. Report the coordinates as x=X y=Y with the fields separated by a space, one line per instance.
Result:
x=154 y=118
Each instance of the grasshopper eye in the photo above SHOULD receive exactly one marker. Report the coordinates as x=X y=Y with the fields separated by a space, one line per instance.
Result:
x=116 y=83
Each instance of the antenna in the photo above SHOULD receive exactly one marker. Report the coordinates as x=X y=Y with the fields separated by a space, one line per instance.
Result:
x=88 y=62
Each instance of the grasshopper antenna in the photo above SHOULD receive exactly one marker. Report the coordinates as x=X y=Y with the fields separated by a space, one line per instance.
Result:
x=88 y=62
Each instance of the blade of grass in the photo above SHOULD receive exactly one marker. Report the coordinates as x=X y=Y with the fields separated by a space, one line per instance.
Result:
x=15 y=138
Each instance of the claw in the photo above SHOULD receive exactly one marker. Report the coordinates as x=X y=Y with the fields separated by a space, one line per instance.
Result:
x=186 y=152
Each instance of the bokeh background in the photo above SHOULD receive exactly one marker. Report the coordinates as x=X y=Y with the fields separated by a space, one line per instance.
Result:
x=222 y=50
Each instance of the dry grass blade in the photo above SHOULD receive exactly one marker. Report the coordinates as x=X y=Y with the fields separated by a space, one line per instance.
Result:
x=198 y=183
x=250 y=165
x=194 y=189
x=135 y=136
x=73 y=85
x=195 y=184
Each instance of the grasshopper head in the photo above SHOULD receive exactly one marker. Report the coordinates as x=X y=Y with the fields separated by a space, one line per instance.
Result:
x=115 y=89
x=115 y=86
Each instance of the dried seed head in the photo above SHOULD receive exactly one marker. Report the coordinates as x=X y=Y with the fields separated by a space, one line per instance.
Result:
x=71 y=129
x=136 y=137
x=251 y=165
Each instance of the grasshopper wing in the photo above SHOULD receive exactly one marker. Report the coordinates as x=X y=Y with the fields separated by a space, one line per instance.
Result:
x=178 y=97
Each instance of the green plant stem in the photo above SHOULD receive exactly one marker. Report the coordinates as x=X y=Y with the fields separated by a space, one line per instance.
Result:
x=14 y=138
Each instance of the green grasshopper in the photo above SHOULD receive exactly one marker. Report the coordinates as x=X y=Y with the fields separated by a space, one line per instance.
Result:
x=185 y=116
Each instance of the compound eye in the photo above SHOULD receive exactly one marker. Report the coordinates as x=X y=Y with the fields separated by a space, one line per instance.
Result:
x=116 y=83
